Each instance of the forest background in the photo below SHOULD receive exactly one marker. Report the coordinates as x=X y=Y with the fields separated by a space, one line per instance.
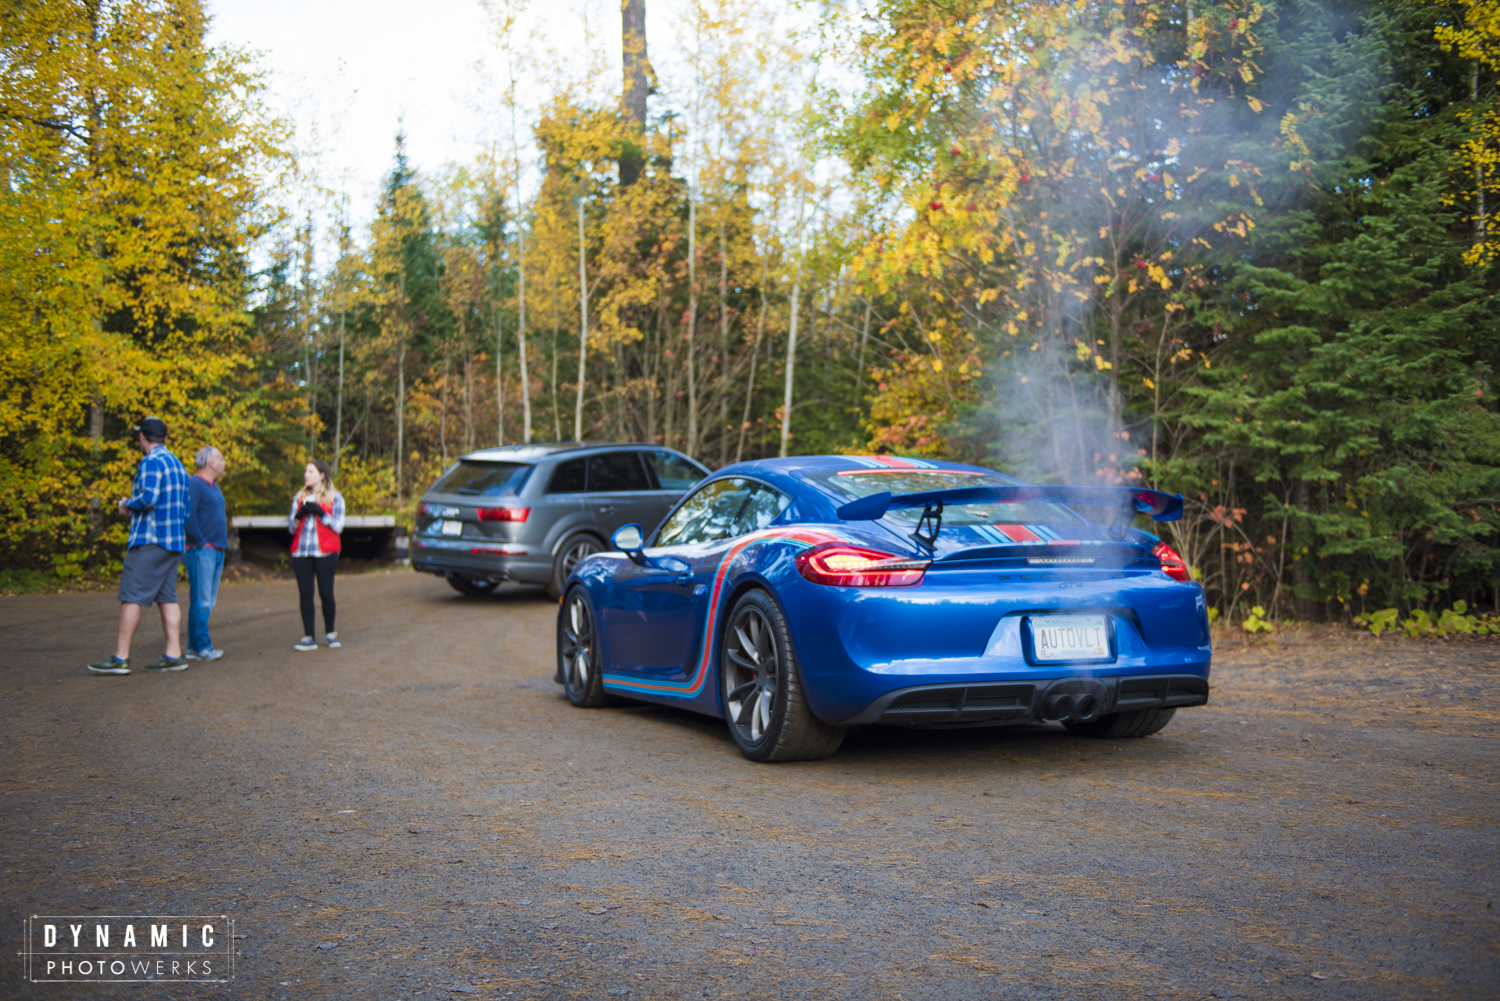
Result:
x=1236 y=250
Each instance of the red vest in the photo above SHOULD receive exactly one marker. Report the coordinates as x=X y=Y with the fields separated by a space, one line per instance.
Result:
x=328 y=539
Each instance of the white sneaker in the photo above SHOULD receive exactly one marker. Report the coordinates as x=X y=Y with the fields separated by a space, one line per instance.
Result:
x=190 y=655
x=333 y=641
x=210 y=654
x=306 y=643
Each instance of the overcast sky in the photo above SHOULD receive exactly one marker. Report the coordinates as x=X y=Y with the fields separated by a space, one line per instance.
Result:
x=359 y=68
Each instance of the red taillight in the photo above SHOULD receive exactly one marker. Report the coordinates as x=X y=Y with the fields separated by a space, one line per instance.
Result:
x=1171 y=563
x=843 y=565
x=483 y=551
x=516 y=514
x=423 y=510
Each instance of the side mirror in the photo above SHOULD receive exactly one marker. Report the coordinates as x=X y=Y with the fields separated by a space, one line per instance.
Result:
x=629 y=539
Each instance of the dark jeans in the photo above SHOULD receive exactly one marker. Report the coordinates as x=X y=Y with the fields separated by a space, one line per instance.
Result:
x=322 y=567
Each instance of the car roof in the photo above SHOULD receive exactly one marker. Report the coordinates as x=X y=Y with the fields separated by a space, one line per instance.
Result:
x=538 y=450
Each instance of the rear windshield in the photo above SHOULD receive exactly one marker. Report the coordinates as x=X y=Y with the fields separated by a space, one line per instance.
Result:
x=855 y=483
x=483 y=479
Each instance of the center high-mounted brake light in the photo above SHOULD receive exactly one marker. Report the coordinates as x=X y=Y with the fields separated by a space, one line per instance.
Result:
x=515 y=514
x=1171 y=564
x=843 y=565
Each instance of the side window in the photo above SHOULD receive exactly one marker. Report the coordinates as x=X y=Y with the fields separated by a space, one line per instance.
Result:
x=673 y=472
x=722 y=509
x=617 y=471
x=567 y=478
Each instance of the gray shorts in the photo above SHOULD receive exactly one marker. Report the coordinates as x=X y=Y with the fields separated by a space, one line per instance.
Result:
x=150 y=575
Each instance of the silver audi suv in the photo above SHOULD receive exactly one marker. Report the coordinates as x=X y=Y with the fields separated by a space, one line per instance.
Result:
x=529 y=513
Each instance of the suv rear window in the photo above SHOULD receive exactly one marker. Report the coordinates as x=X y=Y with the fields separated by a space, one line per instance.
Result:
x=484 y=479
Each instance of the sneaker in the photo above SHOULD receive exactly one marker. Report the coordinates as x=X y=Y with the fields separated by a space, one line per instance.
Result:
x=190 y=655
x=333 y=641
x=110 y=665
x=210 y=654
x=306 y=643
x=165 y=663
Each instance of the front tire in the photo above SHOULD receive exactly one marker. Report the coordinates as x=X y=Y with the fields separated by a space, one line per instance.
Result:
x=1141 y=723
x=573 y=551
x=760 y=688
x=578 y=662
x=472 y=588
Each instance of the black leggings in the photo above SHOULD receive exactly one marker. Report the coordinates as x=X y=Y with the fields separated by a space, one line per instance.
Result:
x=306 y=567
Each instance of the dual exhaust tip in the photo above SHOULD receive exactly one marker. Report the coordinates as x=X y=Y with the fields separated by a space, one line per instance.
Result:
x=1078 y=707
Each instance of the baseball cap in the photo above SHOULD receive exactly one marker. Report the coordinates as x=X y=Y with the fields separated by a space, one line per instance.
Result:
x=151 y=427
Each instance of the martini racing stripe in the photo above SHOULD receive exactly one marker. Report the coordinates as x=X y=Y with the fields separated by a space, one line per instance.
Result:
x=802 y=538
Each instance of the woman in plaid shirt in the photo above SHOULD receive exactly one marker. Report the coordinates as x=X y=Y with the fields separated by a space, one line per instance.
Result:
x=316 y=524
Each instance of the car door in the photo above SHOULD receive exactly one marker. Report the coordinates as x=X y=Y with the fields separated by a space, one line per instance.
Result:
x=658 y=607
x=620 y=492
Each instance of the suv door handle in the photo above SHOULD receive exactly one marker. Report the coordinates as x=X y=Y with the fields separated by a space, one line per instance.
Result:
x=685 y=579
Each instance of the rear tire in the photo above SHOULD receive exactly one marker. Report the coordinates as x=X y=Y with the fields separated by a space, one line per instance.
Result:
x=760 y=687
x=578 y=662
x=1141 y=723
x=573 y=551
x=472 y=588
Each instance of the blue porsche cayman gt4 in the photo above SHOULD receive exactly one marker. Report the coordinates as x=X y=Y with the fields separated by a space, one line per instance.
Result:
x=795 y=598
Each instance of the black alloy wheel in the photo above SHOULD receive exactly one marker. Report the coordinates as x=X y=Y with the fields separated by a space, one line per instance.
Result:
x=578 y=652
x=761 y=691
x=572 y=552
x=473 y=588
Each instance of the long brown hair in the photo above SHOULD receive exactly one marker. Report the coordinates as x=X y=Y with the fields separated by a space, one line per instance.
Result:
x=327 y=492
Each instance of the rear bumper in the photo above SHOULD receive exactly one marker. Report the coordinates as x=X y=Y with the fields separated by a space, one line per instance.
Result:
x=480 y=559
x=988 y=704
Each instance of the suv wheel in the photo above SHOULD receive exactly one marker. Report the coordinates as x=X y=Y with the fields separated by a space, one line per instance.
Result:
x=572 y=552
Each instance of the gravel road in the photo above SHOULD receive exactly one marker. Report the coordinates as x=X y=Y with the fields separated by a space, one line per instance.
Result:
x=421 y=814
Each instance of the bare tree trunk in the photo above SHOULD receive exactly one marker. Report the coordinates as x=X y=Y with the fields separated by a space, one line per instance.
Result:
x=760 y=327
x=520 y=289
x=692 y=327
x=1480 y=234
x=723 y=347
x=443 y=414
x=637 y=84
x=864 y=342
x=500 y=386
x=400 y=413
x=583 y=325
x=338 y=410
x=469 y=401
x=791 y=361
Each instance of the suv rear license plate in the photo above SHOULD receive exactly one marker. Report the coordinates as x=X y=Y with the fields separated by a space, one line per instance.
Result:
x=1069 y=637
x=453 y=528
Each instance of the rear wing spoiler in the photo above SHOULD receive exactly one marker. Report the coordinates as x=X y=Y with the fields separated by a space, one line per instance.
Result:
x=1160 y=506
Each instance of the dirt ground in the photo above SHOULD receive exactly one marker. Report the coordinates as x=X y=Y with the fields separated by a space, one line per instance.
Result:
x=421 y=814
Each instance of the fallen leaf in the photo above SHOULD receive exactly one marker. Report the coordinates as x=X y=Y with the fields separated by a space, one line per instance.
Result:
x=460 y=989
x=982 y=903
x=1319 y=976
x=419 y=830
x=606 y=907
x=325 y=946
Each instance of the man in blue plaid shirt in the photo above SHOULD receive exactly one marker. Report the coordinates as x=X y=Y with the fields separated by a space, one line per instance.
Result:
x=158 y=510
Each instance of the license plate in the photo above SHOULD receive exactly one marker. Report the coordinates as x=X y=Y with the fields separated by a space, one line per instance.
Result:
x=453 y=528
x=1069 y=637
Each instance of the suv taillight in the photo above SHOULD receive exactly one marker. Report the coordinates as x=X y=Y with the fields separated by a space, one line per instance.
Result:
x=516 y=514
x=1171 y=563
x=842 y=565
